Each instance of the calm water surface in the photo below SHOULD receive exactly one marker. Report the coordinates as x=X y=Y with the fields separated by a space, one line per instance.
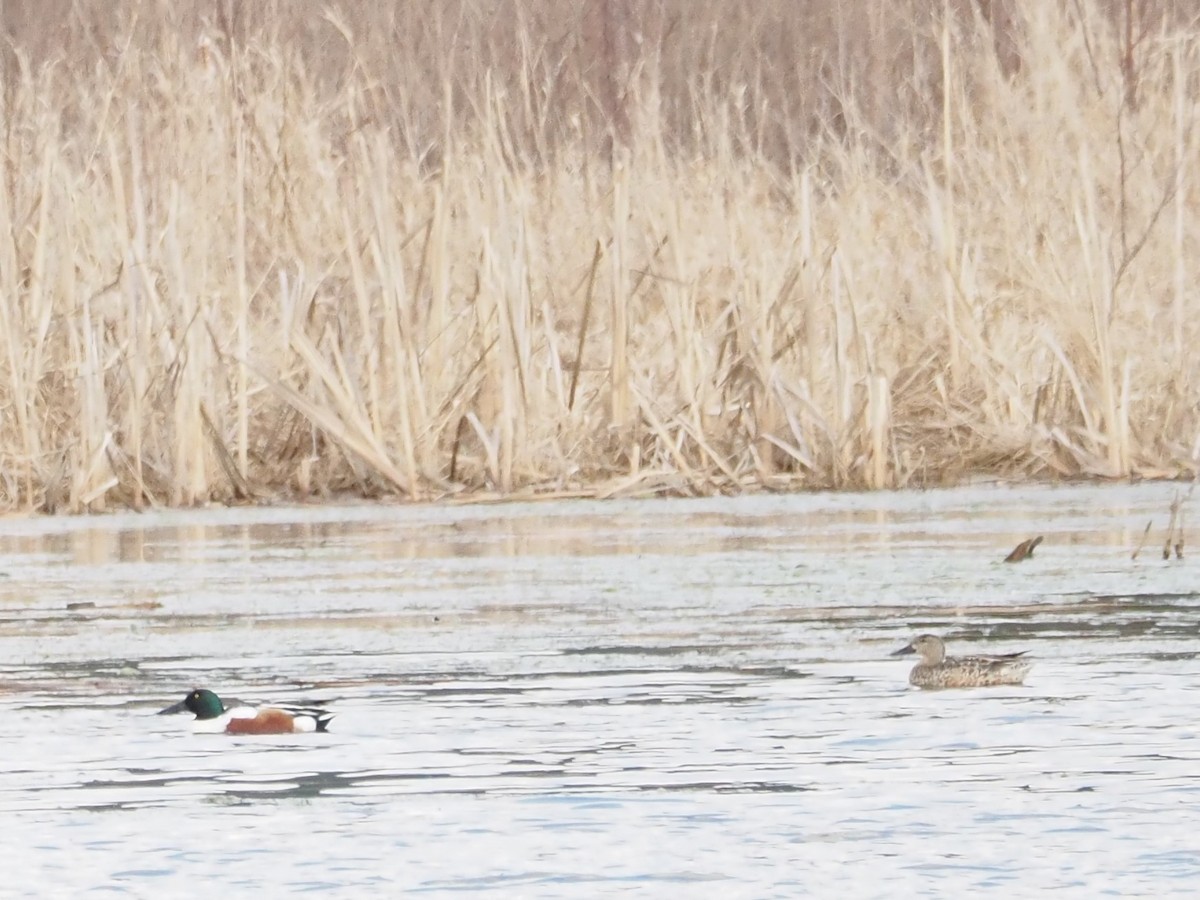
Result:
x=657 y=699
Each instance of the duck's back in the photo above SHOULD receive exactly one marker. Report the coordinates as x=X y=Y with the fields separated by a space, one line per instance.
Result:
x=970 y=671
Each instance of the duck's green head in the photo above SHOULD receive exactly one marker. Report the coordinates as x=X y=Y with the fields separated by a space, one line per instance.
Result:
x=204 y=704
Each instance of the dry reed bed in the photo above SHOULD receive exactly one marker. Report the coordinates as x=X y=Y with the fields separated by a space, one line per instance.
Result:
x=224 y=275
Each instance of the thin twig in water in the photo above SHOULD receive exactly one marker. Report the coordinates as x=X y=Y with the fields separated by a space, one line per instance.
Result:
x=1142 y=542
x=1179 y=542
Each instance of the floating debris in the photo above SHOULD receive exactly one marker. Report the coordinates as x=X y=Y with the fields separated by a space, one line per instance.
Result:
x=1023 y=550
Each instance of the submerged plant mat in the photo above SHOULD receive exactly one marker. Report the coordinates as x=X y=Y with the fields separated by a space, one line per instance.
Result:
x=530 y=247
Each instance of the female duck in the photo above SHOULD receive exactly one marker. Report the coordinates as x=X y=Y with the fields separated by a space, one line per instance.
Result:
x=937 y=670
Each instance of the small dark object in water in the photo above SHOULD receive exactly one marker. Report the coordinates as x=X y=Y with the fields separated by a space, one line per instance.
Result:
x=1023 y=550
x=81 y=604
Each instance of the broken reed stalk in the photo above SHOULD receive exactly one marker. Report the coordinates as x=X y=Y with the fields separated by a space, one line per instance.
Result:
x=1174 y=538
x=1173 y=541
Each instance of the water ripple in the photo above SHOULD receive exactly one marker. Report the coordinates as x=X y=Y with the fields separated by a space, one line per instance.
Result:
x=597 y=699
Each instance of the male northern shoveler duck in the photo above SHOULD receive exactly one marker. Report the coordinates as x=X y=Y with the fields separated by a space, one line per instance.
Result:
x=937 y=670
x=214 y=717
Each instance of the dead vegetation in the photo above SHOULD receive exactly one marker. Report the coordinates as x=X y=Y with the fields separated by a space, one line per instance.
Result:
x=251 y=251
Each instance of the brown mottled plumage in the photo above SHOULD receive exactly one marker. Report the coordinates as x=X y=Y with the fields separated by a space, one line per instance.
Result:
x=937 y=670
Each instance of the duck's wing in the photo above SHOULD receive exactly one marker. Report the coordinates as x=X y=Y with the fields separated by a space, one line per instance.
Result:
x=318 y=717
x=991 y=663
x=997 y=657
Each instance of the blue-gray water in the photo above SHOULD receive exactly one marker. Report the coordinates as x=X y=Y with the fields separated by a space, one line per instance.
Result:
x=661 y=698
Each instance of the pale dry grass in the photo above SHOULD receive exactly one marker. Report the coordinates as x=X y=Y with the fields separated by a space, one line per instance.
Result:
x=502 y=248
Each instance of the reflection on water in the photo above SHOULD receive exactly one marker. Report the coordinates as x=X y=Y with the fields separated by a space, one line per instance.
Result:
x=664 y=698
